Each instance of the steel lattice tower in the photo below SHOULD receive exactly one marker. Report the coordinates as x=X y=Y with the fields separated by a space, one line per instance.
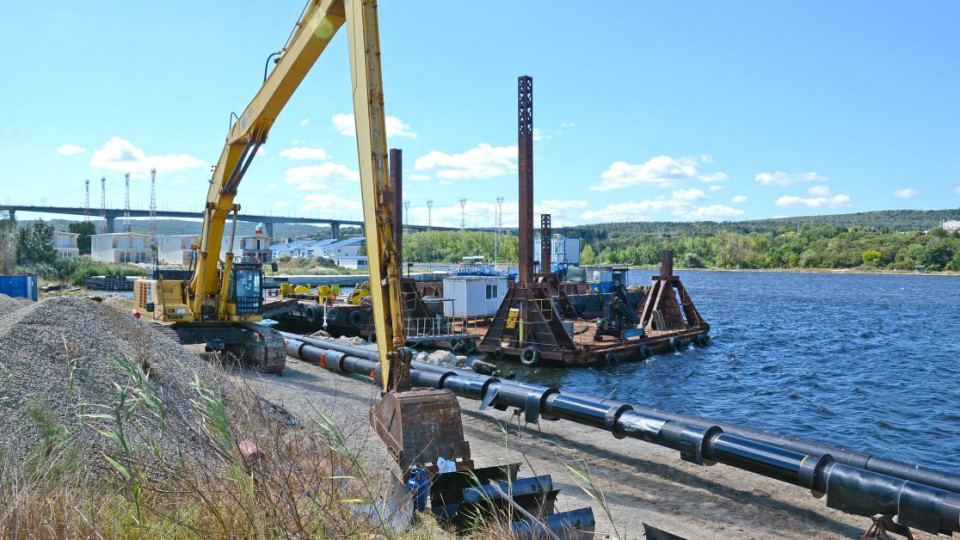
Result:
x=463 y=213
x=86 y=202
x=152 y=228
x=102 y=228
x=429 y=214
x=126 y=205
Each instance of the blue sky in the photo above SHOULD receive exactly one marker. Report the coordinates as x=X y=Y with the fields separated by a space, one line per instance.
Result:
x=643 y=110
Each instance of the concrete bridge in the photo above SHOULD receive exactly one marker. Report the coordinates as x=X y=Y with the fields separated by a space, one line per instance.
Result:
x=111 y=215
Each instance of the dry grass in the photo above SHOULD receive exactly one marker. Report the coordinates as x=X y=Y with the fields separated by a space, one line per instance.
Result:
x=307 y=484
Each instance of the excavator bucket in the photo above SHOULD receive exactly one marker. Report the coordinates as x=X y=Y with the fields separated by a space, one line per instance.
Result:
x=420 y=426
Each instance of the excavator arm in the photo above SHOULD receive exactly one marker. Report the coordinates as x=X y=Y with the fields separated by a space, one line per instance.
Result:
x=318 y=24
x=316 y=27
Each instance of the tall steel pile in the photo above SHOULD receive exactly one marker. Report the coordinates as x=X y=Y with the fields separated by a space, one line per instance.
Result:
x=64 y=359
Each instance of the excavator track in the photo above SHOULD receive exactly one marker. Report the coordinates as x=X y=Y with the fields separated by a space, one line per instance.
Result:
x=266 y=349
x=260 y=346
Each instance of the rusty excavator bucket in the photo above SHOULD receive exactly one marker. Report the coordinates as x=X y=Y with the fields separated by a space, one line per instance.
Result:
x=420 y=426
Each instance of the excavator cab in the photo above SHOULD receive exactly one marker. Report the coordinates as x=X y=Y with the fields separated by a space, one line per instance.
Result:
x=246 y=289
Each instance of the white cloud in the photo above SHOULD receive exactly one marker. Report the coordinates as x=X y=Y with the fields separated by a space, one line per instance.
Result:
x=837 y=201
x=121 y=155
x=714 y=212
x=305 y=152
x=304 y=122
x=739 y=199
x=706 y=158
x=482 y=161
x=540 y=135
x=781 y=178
x=559 y=210
x=715 y=188
x=314 y=177
x=418 y=177
x=819 y=191
x=568 y=124
x=660 y=171
x=956 y=189
x=679 y=206
x=905 y=193
x=71 y=149
x=328 y=202
x=281 y=204
x=395 y=127
x=555 y=205
x=692 y=194
x=629 y=211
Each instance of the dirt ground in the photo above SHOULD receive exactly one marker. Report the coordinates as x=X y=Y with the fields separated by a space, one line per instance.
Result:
x=642 y=483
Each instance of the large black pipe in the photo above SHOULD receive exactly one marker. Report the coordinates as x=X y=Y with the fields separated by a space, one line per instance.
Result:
x=889 y=467
x=848 y=488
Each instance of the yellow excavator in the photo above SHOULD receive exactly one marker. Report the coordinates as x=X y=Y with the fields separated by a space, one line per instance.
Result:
x=221 y=304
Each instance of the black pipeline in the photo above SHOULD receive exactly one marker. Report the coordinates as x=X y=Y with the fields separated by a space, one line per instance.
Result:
x=860 y=460
x=847 y=488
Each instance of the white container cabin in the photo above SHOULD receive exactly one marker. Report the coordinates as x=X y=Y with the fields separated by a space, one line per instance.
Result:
x=473 y=296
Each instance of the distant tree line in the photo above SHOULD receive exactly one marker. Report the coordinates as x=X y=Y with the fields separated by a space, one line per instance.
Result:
x=810 y=246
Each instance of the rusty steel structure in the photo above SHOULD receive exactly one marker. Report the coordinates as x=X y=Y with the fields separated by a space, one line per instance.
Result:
x=396 y=182
x=667 y=306
x=537 y=319
x=527 y=325
x=525 y=168
x=546 y=247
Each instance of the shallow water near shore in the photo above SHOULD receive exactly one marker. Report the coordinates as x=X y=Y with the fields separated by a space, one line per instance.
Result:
x=867 y=362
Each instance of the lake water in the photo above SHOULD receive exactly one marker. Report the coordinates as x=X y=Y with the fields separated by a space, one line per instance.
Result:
x=867 y=362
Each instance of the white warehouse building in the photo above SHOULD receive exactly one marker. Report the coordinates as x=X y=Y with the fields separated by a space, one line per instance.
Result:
x=121 y=248
x=176 y=249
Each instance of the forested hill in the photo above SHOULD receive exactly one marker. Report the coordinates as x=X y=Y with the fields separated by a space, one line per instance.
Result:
x=882 y=220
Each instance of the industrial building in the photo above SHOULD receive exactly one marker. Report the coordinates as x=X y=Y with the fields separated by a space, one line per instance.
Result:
x=254 y=246
x=66 y=244
x=175 y=249
x=121 y=248
x=299 y=249
x=562 y=249
x=347 y=253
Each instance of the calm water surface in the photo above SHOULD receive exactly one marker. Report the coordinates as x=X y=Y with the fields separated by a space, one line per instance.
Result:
x=868 y=362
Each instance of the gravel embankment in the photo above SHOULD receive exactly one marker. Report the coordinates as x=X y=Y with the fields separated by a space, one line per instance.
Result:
x=63 y=356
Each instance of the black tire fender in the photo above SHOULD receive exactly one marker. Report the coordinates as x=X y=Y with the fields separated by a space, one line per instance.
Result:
x=530 y=356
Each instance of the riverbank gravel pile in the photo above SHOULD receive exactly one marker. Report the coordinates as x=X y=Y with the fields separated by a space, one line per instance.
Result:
x=9 y=304
x=64 y=358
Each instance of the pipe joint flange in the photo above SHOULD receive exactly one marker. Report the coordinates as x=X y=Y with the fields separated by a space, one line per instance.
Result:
x=693 y=441
x=613 y=415
x=531 y=406
x=545 y=400
x=810 y=470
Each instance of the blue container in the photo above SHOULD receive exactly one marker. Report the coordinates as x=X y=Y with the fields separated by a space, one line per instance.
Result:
x=19 y=286
x=419 y=486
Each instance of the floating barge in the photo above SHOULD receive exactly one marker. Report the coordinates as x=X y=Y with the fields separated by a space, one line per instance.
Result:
x=538 y=324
